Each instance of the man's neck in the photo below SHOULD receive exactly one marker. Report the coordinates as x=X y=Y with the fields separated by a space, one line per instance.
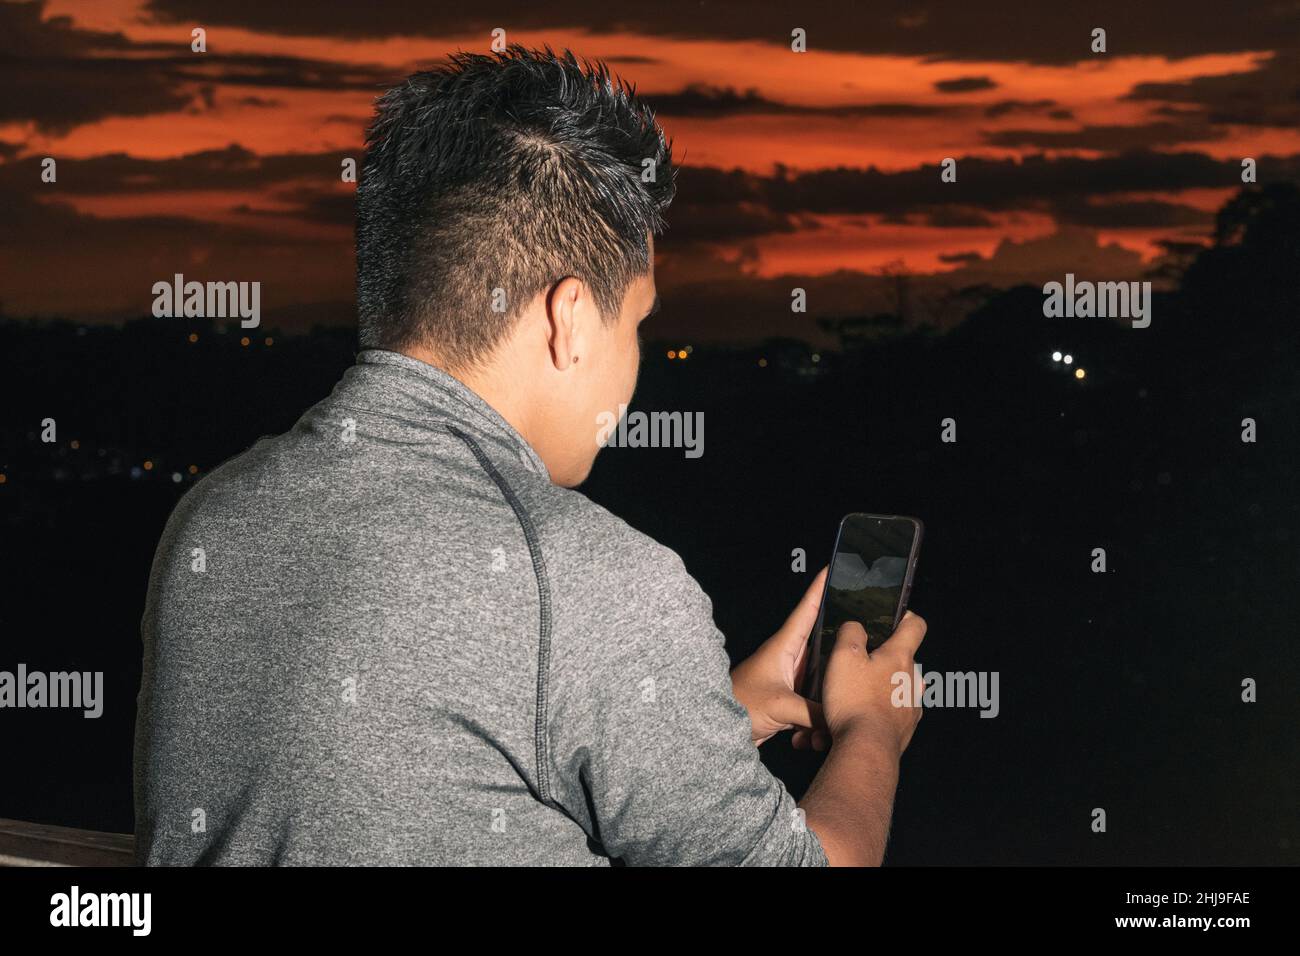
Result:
x=487 y=382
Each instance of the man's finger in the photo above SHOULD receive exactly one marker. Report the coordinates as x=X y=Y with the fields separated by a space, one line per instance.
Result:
x=794 y=632
x=791 y=708
x=907 y=638
x=851 y=638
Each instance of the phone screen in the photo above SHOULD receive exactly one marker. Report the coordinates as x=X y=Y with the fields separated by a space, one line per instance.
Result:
x=869 y=582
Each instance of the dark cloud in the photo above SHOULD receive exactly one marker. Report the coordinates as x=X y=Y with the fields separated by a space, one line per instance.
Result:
x=1073 y=189
x=956 y=217
x=965 y=84
x=332 y=206
x=893 y=110
x=1181 y=247
x=233 y=168
x=282 y=72
x=994 y=185
x=1004 y=107
x=721 y=222
x=1144 y=214
x=1069 y=249
x=715 y=205
x=701 y=100
x=1267 y=96
x=939 y=217
x=59 y=94
x=631 y=59
x=1107 y=138
x=937 y=30
x=59 y=76
x=25 y=34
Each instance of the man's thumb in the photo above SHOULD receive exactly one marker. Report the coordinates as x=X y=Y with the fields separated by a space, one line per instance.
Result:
x=797 y=711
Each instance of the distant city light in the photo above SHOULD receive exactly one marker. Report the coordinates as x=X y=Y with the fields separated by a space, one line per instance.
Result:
x=194 y=469
x=194 y=337
x=176 y=477
x=1068 y=359
x=816 y=357
x=1079 y=373
x=3 y=478
x=1056 y=356
x=148 y=465
x=75 y=444
x=682 y=353
x=762 y=363
x=269 y=340
x=672 y=353
x=244 y=341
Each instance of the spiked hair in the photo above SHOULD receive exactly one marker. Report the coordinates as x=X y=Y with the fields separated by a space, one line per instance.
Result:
x=502 y=172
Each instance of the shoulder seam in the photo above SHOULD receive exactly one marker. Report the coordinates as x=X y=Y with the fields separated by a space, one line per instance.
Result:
x=544 y=600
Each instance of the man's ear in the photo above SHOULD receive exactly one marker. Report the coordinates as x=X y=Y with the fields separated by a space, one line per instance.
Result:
x=563 y=305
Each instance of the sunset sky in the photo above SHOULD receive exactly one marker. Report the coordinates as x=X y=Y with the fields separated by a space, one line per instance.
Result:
x=816 y=169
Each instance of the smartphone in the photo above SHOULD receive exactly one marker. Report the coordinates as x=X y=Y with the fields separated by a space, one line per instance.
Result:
x=869 y=582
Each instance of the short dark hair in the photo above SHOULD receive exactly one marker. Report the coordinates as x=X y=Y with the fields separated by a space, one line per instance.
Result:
x=507 y=171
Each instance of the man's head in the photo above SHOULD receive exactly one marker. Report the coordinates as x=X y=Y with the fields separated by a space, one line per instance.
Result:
x=505 y=220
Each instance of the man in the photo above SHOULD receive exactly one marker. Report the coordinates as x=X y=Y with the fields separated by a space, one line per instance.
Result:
x=394 y=635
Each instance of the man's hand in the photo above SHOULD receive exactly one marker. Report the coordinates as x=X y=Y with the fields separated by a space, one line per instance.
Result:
x=765 y=681
x=851 y=800
x=858 y=690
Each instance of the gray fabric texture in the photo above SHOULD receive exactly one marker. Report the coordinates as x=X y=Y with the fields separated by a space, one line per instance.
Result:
x=385 y=637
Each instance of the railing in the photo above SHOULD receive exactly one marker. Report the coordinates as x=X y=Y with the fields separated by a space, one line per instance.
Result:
x=35 y=844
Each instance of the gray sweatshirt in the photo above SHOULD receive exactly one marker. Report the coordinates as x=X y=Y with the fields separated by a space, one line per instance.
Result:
x=385 y=637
